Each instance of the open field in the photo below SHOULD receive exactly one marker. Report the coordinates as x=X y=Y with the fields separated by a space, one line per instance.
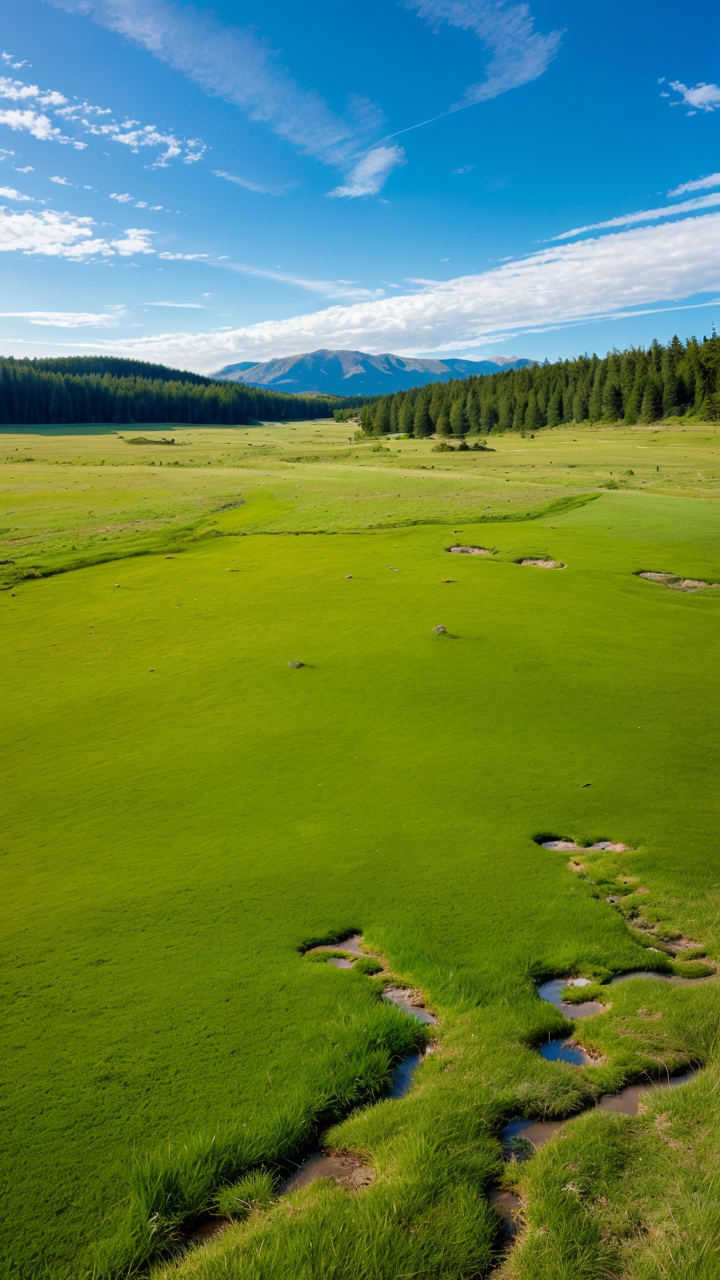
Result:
x=184 y=812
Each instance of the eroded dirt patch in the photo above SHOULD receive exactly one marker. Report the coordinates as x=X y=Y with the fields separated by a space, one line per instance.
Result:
x=470 y=551
x=676 y=583
x=562 y=844
x=346 y=1171
x=542 y=563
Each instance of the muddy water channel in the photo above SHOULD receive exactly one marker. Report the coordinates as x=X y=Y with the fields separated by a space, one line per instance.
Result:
x=346 y=1170
x=522 y=1137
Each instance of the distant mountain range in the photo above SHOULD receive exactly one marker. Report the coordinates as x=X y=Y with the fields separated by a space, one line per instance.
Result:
x=355 y=373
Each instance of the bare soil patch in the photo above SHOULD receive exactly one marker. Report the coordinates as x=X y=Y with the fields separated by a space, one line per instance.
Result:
x=675 y=583
x=543 y=564
x=346 y=1171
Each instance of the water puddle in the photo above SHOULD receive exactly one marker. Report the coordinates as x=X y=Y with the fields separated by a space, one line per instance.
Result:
x=402 y=1078
x=565 y=1051
x=673 y=978
x=550 y=991
x=509 y=1207
x=410 y=1002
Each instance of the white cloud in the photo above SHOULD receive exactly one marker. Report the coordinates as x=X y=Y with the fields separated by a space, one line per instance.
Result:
x=62 y=235
x=122 y=197
x=18 y=91
x=699 y=184
x=644 y=215
x=64 y=319
x=62 y=182
x=233 y=63
x=9 y=193
x=371 y=172
x=182 y=257
x=466 y=168
x=135 y=241
x=559 y=285
x=702 y=97
x=8 y=60
x=248 y=185
x=519 y=54
x=129 y=133
x=186 y=306
x=38 y=125
x=28 y=168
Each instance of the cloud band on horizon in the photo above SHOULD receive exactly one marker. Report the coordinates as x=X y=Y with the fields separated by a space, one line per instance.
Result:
x=566 y=284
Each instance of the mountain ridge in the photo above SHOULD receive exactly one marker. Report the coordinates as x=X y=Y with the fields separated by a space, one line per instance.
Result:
x=346 y=373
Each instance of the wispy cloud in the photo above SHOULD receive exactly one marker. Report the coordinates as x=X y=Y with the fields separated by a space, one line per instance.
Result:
x=326 y=288
x=62 y=235
x=698 y=184
x=466 y=168
x=62 y=182
x=369 y=175
x=559 y=285
x=644 y=215
x=248 y=185
x=65 y=319
x=518 y=53
x=9 y=193
x=701 y=97
x=122 y=197
x=235 y=64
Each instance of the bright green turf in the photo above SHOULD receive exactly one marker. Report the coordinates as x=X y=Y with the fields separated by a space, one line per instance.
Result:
x=184 y=811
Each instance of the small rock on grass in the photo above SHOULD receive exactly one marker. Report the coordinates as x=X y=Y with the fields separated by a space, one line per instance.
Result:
x=296 y=664
x=440 y=630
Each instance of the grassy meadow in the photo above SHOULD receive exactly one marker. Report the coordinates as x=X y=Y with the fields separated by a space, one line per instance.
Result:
x=183 y=812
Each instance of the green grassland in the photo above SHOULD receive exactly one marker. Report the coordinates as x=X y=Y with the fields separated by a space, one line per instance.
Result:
x=183 y=812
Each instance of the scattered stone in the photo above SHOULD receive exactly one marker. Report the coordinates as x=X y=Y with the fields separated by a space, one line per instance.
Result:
x=348 y=575
x=440 y=630
x=296 y=664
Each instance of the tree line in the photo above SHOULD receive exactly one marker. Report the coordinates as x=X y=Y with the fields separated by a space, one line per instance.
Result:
x=637 y=385
x=107 y=389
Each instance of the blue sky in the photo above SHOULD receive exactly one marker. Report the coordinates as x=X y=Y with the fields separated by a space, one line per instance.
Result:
x=200 y=185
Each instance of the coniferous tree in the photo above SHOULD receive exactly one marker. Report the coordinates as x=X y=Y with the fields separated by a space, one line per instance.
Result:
x=422 y=425
x=651 y=409
x=458 y=418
